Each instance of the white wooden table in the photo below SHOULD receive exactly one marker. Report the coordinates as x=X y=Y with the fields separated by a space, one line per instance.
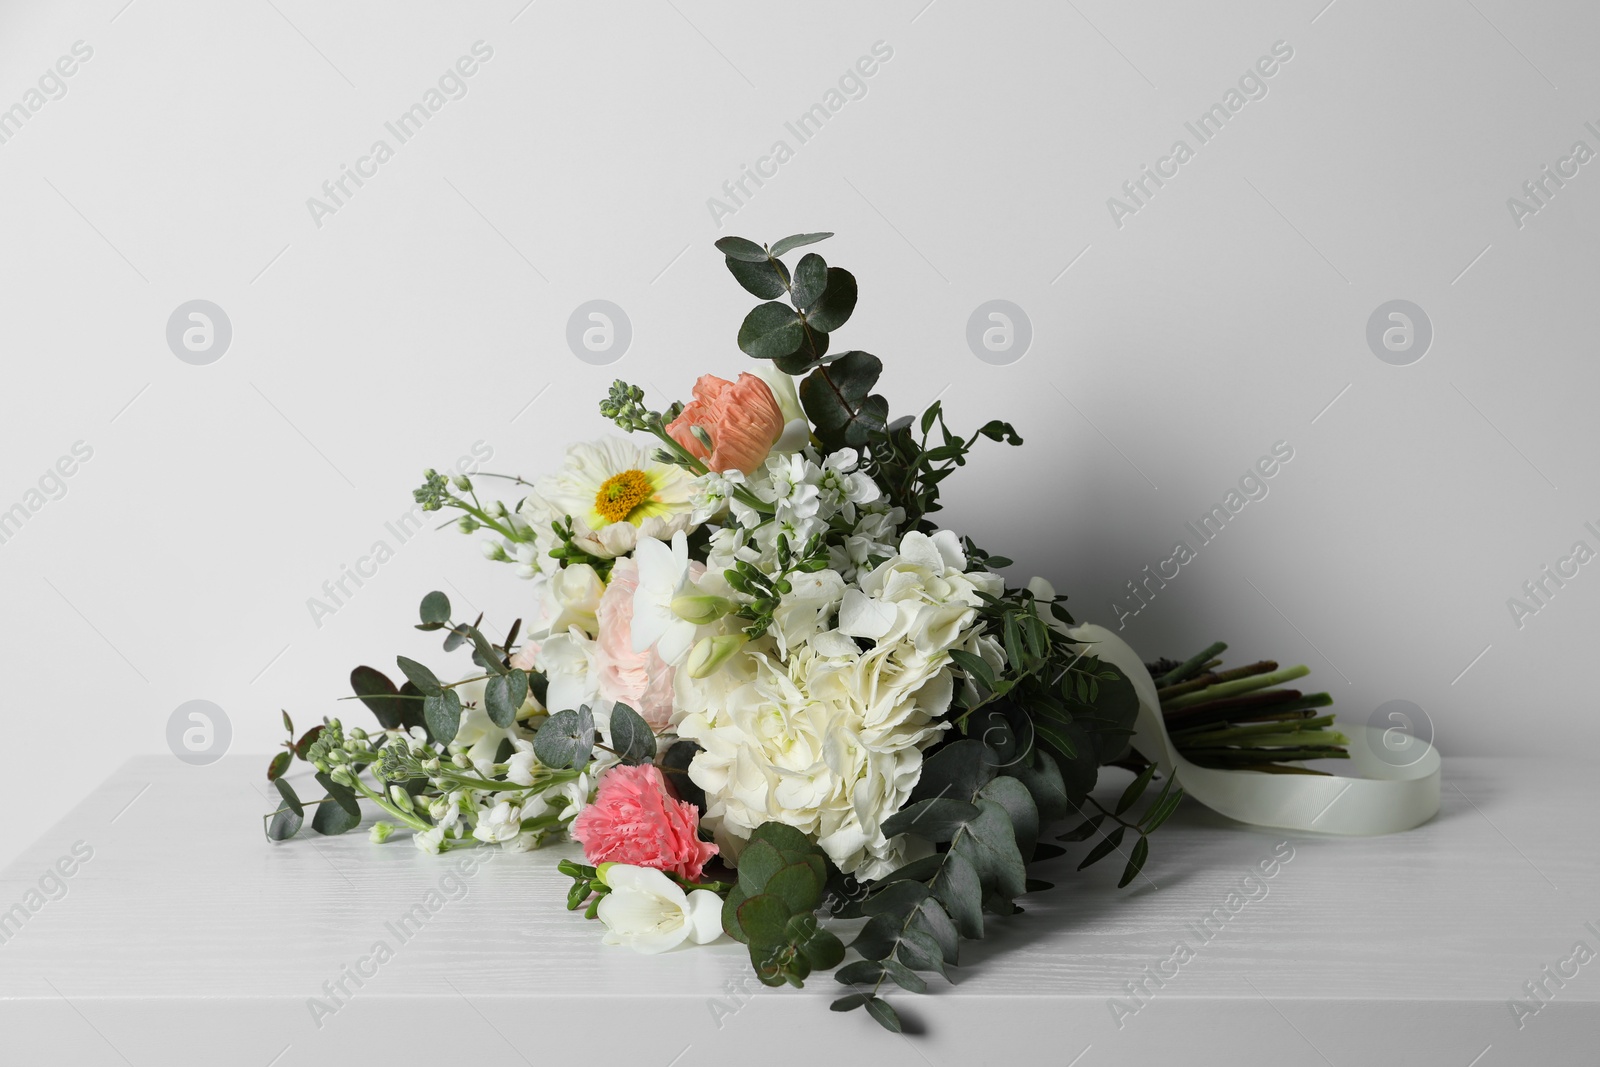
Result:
x=185 y=938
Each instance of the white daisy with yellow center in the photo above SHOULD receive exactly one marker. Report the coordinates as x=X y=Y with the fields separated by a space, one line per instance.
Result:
x=615 y=492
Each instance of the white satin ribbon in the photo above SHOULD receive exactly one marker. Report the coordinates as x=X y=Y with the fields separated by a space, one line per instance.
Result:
x=1384 y=799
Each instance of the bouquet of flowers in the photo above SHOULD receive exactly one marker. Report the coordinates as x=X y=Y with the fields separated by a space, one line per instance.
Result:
x=761 y=686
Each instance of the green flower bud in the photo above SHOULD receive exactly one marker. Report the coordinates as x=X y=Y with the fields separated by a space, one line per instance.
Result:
x=712 y=652
x=467 y=524
x=461 y=482
x=401 y=799
x=343 y=776
x=380 y=832
x=702 y=609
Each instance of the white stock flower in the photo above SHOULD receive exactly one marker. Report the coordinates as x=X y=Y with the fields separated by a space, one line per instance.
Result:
x=501 y=823
x=649 y=912
x=477 y=733
x=519 y=768
x=429 y=841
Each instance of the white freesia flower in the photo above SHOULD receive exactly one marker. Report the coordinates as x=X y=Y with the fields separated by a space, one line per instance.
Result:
x=519 y=768
x=663 y=577
x=569 y=665
x=615 y=492
x=569 y=597
x=477 y=733
x=650 y=913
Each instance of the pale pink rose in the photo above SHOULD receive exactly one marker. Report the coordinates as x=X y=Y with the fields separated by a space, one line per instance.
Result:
x=742 y=417
x=643 y=681
x=635 y=820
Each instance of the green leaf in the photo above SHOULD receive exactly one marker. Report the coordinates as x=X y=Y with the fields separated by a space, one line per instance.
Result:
x=307 y=739
x=286 y=791
x=783 y=837
x=920 y=952
x=810 y=281
x=284 y=824
x=1162 y=809
x=435 y=608
x=933 y=921
x=820 y=947
x=766 y=278
x=895 y=900
x=798 y=886
x=878 y=938
x=1141 y=852
x=904 y=976
x=279 y=764
x=757 y=864
x=1107 y=845
x=771 y=330
x=498 y=702
x=288 y=723
x=799 y=240
x=937 y=819
x=741 y=248
x=881 y=1010
x=1135 y=790
x=833 y=308
x=340 y=816
x=1014 y=797
x=839 y=401
x=958 y=770
x=974 y=667
x=380 y=696
x=1084 y=830
x=484 y=654
x=420 y=676
x=565 y=739
x=631 y=736
x=763 y=919
x=730 y=914
x=991 y=846
x=958 y=888
x=442 y=712
x=858 y=973
x=1043 y=779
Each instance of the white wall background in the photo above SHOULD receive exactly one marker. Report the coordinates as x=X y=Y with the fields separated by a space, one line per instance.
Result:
x=430 y=311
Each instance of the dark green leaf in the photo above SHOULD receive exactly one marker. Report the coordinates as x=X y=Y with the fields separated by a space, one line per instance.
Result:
x=766 y=278
x=839 y=401
x=833 y=308
x=1043 y=779
x=1141 y=852
x=904 y=976
x=302 y=746
x=442 y=711
x=771 y=330
x=284 y=824
x=957 y=887
x=741 y=248
x=286 y=791
x=799 y=240
x=990 y=845
x=1044 y=851
x=1014 y=797
x=420 y=676
x=288 y=723
x=565 y=739
x=1104 y=848
x=919 y=951
x=821 y=948
x=936 y=819
x=797 y=885
x=1135 y=789
x=810 y=281
x=1162 y=809
x=279 y=764
x=730 y=914
x=860 y=972
x=975 y=668
x=881 y=1010
x=497 y=700
x=757 y=864
x=1084 y=830
x=435 y=608
x=631 y=736
x=380 y=696
x=340 y=813
x=763 y=918
x=932 y=920
x=782 y=837
x=896 y=900
x=958 y=770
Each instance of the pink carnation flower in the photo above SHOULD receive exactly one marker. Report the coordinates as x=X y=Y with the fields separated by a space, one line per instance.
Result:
x=742 y=417
x=641 y=680
x=634 y=820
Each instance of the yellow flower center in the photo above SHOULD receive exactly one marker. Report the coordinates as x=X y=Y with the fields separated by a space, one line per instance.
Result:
x=621 y=493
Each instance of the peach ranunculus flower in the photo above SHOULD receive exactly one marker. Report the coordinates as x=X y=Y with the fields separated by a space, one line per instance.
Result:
x=643 y=681
x=742 y=417
x=635 y=820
